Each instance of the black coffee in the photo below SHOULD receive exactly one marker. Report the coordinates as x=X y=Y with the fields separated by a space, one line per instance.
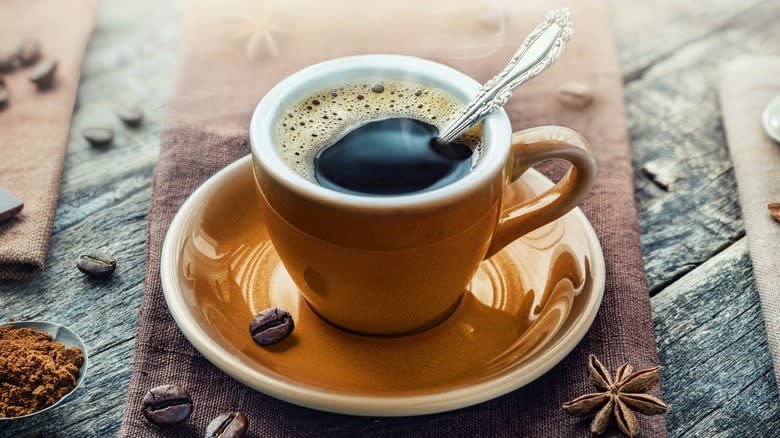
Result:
x=390 y=157
x=375 y=138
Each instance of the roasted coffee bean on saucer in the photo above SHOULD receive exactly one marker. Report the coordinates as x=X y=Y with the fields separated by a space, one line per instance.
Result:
x=131 y=115
x=228 y=425
x=270 y=326
x=167 y=404
x=42 y=75
x=99 y=136
x=28 y=52
x=97 y=265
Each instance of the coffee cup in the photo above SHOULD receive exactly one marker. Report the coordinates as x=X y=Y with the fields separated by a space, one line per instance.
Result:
x=399 y=264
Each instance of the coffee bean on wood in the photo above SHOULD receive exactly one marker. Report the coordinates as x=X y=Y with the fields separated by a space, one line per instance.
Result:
x=270 y=326
x=98 y=136
x=167 y=404
x=228 y=425
x=42 y=75
x=131 y=115
x=10 y=205
x=28 y=52
x=97 y=265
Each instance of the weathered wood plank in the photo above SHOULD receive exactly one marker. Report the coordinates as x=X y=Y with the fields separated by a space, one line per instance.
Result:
x=103 y=203
x=717 y=374
x=652 y=31
x=675 y=126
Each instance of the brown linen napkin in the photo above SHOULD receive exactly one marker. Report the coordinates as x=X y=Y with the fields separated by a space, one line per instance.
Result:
x=747 y=85
x=220 y=82
x=34 y=125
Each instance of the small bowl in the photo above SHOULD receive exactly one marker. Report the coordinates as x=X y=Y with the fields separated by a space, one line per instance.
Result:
x=58 y=333
x=771 y=119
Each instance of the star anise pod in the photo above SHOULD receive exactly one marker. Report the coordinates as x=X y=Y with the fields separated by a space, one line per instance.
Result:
x=618 y=397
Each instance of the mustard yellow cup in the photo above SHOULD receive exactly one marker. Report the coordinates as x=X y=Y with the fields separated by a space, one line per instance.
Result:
x=390 y=265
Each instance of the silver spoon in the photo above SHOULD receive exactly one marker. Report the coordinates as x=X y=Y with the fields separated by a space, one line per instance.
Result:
x=58 y=333
x=539 y=50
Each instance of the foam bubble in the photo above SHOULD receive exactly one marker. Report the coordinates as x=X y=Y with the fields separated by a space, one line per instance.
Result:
x=319 y=119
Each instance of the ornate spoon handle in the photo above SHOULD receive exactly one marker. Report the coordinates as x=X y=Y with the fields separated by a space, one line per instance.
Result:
x=539 y=50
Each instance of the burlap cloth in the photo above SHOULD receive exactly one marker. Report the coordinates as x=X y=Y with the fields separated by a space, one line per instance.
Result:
x=222 y=77
x=747 y=86
x=34 y=126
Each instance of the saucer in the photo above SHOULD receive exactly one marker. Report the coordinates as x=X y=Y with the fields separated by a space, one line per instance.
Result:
x=523 y=312
x=771 y=119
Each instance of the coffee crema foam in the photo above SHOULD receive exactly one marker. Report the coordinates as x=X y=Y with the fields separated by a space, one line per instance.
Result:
x=319 y=119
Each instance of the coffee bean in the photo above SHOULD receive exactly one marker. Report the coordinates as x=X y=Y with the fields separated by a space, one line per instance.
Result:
x=7 y=60
x=9 y=205
x=378 y=88
x=166 y=404
x=228 y=425
x=28 y=51
x=43 y=74
x=4 y=94
x=270 y=326
x=131 y=115
x=98 y=136
x=575 y=95
x=97 y=265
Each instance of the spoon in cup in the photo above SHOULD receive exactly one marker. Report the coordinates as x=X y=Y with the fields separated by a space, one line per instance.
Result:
x=408 y=155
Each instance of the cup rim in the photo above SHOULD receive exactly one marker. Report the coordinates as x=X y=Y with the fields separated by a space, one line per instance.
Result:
x=497 y=129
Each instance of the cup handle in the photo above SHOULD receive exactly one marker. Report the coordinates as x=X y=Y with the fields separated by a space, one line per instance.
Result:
x=532 y=146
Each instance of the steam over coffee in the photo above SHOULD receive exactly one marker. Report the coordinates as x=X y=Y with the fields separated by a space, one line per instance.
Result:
x=373 y=138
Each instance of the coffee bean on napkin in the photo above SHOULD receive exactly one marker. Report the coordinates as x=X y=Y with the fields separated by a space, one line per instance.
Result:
x=28 y=52
x=575 y=95
x=10 y=205
x=228 y=425
x=7 y=60
x=43 y=74
x=166 y=404
x=4 y=94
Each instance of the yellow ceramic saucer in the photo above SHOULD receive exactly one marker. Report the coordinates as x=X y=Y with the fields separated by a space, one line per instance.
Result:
x=526 y=308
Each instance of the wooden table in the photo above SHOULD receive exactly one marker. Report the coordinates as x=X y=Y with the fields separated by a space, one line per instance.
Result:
x=718 y=376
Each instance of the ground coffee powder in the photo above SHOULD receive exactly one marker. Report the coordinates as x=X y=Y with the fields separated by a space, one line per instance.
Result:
x=35 y=371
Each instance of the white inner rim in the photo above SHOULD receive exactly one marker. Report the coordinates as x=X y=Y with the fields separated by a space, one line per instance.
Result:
x=496 y=129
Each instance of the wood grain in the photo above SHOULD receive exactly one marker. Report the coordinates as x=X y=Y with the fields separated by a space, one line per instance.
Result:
x=712 y=344
x=717 y=374
x=676 y=129
x=103 y=204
